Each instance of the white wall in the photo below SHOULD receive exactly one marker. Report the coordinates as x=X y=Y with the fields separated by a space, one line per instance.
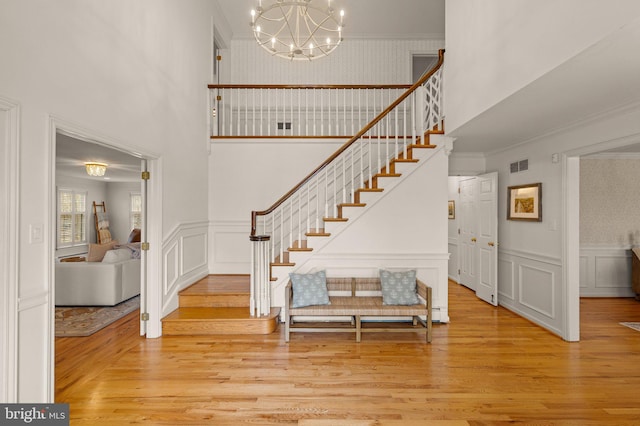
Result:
x=495 y=48
x=133 y=71
x=356 y=61
x=251 y=175
x=118 y=207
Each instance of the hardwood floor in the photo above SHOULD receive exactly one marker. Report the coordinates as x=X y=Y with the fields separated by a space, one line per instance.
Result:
x=487 y=367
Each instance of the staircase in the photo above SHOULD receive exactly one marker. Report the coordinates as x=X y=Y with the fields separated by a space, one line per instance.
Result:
x=217 y=304
x=301 y=249
x=327 y=202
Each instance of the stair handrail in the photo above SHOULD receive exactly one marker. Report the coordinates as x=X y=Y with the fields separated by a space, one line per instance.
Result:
x=343 y=148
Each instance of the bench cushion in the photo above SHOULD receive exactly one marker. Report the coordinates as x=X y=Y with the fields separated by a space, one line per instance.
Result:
x=398 y=288
x=309 y=289
x=359 y=305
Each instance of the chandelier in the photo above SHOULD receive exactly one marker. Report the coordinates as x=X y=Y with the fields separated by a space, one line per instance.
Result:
x=95 y=169
x=296 y=29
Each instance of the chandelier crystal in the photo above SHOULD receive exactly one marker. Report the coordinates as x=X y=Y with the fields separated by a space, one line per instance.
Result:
x=296 y=29
x=95 y=169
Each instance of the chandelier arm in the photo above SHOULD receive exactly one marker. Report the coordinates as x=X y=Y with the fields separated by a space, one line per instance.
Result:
x=301 y=38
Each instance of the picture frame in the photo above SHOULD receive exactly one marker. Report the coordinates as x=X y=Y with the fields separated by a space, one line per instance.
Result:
x=452 y=209
x=524 y=202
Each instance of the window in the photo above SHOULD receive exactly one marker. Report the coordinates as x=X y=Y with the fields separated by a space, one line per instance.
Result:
x=72 y=217
x=135 y=210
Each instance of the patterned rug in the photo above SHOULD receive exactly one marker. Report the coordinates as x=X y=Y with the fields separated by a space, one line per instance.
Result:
x=86 y=320
x=634 y=325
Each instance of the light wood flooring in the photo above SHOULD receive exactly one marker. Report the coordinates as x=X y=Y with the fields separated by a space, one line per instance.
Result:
x=487 y=367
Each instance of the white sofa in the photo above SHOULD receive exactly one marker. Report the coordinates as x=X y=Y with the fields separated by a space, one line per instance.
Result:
x=96 y=283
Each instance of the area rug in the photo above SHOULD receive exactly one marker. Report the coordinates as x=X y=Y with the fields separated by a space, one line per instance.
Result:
x=634 y=325
x=85 y=320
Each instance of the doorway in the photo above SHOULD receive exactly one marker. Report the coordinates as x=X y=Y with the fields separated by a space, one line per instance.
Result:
x=421 y=63
x=476 y=236
x=70 y=146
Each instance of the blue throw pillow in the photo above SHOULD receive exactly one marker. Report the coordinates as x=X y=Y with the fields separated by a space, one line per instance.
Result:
x=309 y=289
x=398 y=288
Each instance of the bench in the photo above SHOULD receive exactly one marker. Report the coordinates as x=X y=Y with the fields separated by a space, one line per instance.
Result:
x=356 y=298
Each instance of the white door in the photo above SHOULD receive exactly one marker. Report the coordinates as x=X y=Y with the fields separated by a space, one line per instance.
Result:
x=467 y=222
x=487 y=239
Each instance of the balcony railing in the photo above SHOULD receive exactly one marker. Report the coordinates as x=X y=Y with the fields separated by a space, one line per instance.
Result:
x=295 y=111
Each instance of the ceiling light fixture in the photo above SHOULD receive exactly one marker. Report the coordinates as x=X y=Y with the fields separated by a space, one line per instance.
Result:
x=95 y=169
x=296 y=29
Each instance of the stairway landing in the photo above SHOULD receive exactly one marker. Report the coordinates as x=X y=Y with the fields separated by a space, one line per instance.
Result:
x=217 y=304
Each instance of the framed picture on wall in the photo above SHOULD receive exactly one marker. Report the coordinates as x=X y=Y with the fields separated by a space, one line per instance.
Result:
x=525 y=202
x=452 y=209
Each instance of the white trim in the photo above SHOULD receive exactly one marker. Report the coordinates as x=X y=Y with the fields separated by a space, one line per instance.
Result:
x=532 y=256
x=571 y=247
x=9 y=271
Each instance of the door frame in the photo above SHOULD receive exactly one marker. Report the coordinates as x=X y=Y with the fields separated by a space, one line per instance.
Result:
x=152 y=266
x=10 y=253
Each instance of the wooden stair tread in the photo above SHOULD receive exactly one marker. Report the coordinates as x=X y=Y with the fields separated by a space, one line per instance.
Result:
x=335 y=219
x=282 y=264
x=317 y=234
x=219 y=284
x=352 y=205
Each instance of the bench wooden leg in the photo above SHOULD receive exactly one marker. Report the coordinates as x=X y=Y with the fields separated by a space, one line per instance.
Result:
x=287 y=328
x=415 y=321
x=358 y=328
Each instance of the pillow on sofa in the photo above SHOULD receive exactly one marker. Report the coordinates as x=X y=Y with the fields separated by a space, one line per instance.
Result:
x=398 y=288
x=117 y=255
x=309 y=289
x=97 y=251
x=134 y=236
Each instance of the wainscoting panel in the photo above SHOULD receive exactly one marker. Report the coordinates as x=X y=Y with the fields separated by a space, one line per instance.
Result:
x=171 y=266
x=453 y=261
x=34 y=320
x=506 y=283
x=194 y=247
x=537 y=289
x=531 y=285
x=230 y=247
x=185 y=254
x=605 y=271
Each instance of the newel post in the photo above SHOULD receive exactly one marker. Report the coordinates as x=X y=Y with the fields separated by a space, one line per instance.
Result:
x=260 y=302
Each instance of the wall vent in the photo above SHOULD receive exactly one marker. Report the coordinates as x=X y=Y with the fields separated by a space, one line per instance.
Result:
x=519 y=166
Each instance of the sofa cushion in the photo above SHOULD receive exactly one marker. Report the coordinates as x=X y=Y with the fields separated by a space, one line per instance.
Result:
x=309 y=289
x=97 y=251
x=398 y=288
x=117 y=255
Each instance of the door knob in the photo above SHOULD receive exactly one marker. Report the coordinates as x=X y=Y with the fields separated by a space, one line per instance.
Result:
x=473 y=240
x=491 y=243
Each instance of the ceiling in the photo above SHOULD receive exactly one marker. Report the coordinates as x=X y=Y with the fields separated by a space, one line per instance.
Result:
x=72 y=154
x=386 y=19
x=595 y=82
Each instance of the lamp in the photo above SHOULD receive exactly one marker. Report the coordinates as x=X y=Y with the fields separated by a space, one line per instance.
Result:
x=95 y=169
x=296 y=29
